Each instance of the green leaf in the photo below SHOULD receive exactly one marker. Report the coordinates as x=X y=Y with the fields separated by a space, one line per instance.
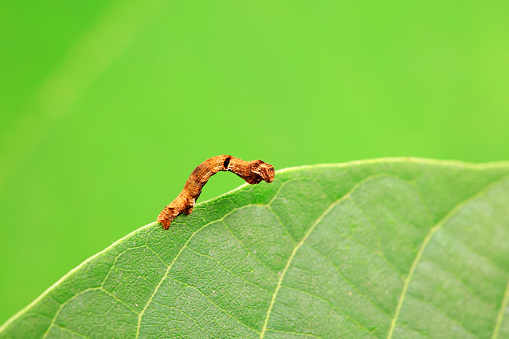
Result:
x=391 y=248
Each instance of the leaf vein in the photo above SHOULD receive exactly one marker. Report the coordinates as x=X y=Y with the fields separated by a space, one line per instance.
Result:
x=73 y=332
x=349 y=282
x=170 y=266
x=117 y=298
x=331 y=305
x=229 y=270
x=318 y=220
x=380 y=252
x=214 y=303
x=443 y=311
x=424 y=245
x=269 y=205
x=297 y=333
x=466 y=285
x=184 y=313
x=248 y=250
x=501 y=312
x=62 y=306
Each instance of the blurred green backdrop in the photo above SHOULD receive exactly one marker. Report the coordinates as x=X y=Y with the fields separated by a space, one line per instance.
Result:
x=107 y=106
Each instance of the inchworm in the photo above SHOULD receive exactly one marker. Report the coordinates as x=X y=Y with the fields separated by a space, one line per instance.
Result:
x=253 y=172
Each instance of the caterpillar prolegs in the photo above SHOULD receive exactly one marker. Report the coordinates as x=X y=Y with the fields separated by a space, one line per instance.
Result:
x=253 y=172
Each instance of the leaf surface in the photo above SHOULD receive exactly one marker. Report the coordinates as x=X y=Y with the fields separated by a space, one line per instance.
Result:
x=390 y=248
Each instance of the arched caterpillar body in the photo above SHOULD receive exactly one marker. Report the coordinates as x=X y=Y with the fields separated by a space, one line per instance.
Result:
x=253 y=172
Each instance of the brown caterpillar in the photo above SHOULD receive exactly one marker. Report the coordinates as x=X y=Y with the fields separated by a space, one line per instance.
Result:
x=253 y=172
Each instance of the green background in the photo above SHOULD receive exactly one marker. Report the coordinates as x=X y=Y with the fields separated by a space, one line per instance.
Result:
x=107 y=106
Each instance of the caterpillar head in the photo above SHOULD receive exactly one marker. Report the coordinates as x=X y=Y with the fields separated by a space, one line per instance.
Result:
x=261 y=171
